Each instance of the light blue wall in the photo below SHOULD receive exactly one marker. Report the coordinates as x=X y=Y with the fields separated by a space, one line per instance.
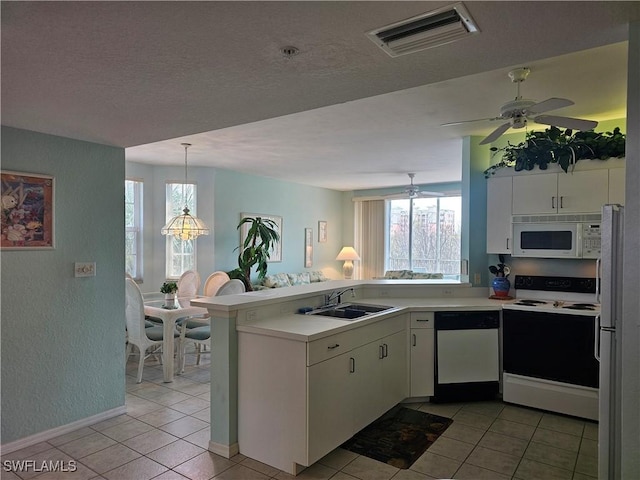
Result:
x=63 y=337
x=475 y=160
x=300 y=206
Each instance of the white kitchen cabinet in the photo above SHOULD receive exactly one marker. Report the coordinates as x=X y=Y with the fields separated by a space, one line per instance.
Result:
x=330 y=408
x=297 y=401
x=499 y=200
x=616 y=185
x=394 y=376
x=421 y=345
x=577 y=192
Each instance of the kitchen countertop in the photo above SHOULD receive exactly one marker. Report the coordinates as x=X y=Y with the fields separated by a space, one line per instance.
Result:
x=307 y=328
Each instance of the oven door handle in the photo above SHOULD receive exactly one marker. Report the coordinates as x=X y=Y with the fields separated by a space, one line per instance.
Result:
x=596 y=339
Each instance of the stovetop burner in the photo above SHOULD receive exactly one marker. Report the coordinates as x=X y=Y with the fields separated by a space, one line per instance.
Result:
x=581 y=306
x=530 y=303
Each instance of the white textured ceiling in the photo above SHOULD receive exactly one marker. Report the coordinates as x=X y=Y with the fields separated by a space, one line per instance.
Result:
x=341 y=114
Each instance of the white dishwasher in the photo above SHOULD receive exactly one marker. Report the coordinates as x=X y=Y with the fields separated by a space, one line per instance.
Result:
x=467 y=356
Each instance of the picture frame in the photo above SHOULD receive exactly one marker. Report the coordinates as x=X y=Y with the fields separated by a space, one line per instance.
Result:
x=27 y=211
x=275 y=255
x=322 y=231
x=308 y=247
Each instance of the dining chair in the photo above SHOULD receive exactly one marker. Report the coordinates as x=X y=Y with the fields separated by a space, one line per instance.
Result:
x=232 y=287
x=214 y=282
x=138 y=334
x=201 y=335
x=188 y=285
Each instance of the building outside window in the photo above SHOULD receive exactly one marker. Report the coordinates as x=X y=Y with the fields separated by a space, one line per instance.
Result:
x=424 y=235
x=133 y=228
x=181 y=254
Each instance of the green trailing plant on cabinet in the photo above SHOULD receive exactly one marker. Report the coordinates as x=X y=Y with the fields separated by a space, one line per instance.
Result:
x=563 y=147
x=255 y=250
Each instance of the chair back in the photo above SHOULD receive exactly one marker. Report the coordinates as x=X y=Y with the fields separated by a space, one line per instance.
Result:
x=134 y=312
x=188 y=286
x=231 y=288
x=214 y=282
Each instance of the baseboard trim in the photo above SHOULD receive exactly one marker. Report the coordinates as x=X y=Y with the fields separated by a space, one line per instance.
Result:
x=61 y=430
x=226 y=451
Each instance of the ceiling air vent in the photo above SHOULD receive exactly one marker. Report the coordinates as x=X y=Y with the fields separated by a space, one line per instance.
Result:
x=431 y=29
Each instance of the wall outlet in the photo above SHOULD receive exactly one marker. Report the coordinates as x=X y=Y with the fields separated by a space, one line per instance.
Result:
x=252 y=315
x=447 y=292
x=384 y=293
x=477 y=278
x=84 y=269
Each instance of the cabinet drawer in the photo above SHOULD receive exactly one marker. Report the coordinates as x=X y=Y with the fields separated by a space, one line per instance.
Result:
x=333 y=345
x=422 y=320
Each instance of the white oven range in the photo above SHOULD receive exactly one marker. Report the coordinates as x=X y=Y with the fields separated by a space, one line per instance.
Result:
x=549 y=345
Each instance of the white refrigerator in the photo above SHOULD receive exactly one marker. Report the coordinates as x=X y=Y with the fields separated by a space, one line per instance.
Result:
x=610 y=293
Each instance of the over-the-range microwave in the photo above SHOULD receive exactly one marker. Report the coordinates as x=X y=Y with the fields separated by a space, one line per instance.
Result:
x=556 y=236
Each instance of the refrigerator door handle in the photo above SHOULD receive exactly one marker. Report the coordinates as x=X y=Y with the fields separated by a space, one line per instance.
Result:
x=596 y=339
x=598 y=273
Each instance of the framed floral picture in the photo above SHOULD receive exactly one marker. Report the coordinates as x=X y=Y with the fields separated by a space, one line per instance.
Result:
x=27 y=211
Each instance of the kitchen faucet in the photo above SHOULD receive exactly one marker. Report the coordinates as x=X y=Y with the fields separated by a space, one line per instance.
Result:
x=337 y=295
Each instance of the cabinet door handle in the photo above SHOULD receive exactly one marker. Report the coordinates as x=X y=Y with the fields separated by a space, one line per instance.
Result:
x=352 y=365
x=385 y=350
x=507 y=243
x=414 y=339
x=553 y=202
x=596 y=339
x=335 y=345
x=380 y=352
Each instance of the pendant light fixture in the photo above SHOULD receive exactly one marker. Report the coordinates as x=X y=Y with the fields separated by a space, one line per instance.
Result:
x=185 y=226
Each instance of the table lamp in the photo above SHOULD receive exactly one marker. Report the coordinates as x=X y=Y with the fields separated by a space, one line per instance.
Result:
x=348 y=254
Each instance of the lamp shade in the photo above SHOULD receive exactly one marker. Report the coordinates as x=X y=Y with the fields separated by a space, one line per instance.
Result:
x=348 y=253
x=185 y=227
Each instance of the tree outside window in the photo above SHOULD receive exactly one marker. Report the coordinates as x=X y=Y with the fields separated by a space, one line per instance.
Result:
x=181 y=254
x=424 y=235
x=133 y=228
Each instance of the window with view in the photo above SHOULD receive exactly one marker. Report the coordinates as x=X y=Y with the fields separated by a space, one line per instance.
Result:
x=181 y=254
x=424 y=235
x=133 y=228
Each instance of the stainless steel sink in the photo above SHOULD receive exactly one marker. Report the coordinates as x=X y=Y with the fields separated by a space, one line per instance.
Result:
x=349 y=311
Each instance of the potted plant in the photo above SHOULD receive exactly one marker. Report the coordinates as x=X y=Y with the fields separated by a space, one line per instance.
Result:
x=559 y=146
x=500 y=283
x=169 y=289
x=255 y=250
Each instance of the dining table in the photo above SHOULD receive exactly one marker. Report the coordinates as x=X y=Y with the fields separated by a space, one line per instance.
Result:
x=169 y=315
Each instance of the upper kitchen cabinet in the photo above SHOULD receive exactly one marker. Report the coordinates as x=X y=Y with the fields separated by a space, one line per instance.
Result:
x=576 y=192
x=499 y=199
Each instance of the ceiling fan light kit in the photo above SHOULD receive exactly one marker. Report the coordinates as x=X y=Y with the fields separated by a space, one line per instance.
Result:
x=519 y=112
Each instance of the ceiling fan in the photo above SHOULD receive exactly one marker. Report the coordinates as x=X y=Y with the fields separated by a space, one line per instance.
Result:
x=413 y=191
x=521 y=110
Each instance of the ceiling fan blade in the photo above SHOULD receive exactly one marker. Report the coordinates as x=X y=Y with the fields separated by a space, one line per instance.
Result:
x=496 y=133
x=549 y=104
x=566 y=122
x=427 y=194
x=470 y=121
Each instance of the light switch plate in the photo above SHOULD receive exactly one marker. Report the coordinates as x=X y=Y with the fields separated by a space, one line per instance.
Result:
x=85 y=269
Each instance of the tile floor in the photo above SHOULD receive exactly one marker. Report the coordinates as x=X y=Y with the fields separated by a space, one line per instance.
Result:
x=165 y=434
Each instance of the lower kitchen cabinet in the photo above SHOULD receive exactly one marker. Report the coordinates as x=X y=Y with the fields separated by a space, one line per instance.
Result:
x=298 y=401
x=421 y=347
